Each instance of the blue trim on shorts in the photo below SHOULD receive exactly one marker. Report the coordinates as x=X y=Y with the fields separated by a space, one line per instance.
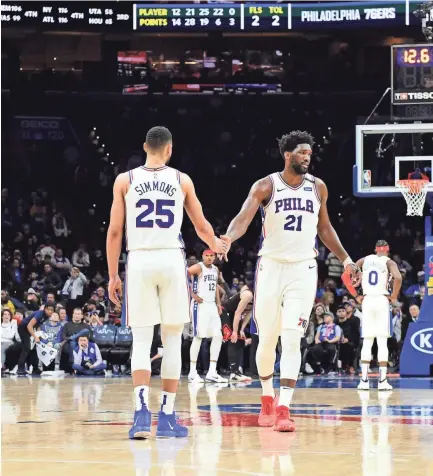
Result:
x=195 y=318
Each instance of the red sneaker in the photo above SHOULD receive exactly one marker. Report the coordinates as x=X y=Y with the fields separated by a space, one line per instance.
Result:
x=283 y=421
x=267 y=412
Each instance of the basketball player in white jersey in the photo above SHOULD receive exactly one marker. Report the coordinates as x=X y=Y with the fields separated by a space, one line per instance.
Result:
x=150 y=200
x=205 y=316
x=294 y=212
x=376 y=314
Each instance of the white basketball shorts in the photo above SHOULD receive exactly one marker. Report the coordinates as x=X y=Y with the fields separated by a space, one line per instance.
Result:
x=284 y=295
x=156 y=288
x=205 y=319
x=376 y=317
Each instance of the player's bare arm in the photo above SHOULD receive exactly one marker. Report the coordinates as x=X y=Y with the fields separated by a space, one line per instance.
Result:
x=115 y=235
x=329 y=236
x=260 y=193
x=395 y=273
x=246 y=298
x=245 y=321
x=195 y=212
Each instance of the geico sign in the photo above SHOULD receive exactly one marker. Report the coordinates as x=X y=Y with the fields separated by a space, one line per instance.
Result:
x=423 y=340
x=39 y=124
x=412 y=95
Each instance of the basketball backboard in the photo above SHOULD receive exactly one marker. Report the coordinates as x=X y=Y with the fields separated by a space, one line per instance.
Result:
x=387 y=153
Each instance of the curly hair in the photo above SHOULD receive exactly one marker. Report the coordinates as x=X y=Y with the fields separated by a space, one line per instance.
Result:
x=289 y=142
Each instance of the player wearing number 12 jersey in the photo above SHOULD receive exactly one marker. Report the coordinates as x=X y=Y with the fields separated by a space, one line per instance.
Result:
x=150 y=200
x=294 y=212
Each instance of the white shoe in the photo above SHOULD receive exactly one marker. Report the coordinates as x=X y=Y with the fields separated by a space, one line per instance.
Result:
x=214 y=377
x=30 y=370
x=308 y=369
x=14 y=371
x=384 y=385
x=108 y=373
x=238 y=377
x=195 y=378
x=364 y=385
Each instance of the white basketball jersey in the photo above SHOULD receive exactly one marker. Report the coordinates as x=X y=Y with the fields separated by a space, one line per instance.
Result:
x=205 y=285
x=375 y=275
x=154 y=209
x=290 y=220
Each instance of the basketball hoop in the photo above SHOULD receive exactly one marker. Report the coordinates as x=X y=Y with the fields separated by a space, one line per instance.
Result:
x=414 y=192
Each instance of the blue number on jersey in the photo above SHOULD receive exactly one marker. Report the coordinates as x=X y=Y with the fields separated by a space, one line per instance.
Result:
x=161 y=209
x=290 y=220
x=373 y=278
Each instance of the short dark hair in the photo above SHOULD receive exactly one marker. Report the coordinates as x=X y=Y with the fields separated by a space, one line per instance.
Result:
x=158 y=137
x=50 y=304
x=381 y=243
x=289 y=142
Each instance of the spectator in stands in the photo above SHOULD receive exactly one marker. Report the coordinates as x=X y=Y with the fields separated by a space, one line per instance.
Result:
x=50 y=299
x=32 y=302
x=47 y=248
x=114 y=316
x=9 y=335
x=335 y=267
x=72 y=330
x=6 y=301
x=95 y=321
x=61 y=311
x=73 y=289
x=402 y=264
x=328 y=301
x=414 y=292
x=80 y=258
x=351 y=335
x=324 y=352
x=27 y=329
x=60 y=227
x=407 y=321
x=17 y=277
x=53 y=329
x=61 y=264
x=51 y=281
x=98 y=279
x=319 y=311
x=87 y=358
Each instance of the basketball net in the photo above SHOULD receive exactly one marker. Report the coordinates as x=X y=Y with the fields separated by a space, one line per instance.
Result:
x=414 y=192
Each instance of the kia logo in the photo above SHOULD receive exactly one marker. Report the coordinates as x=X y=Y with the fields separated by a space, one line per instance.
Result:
x=423 y=343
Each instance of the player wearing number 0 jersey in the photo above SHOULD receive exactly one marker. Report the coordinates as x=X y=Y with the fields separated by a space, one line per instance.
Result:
x=376 y=313
x=150 y=200
x=293 y=207
x=205 y=316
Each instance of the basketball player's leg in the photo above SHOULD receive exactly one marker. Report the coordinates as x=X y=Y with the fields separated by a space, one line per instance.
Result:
x=368 y=334
x=298 y=301
x=196 y=315
x=383 y=332
x=266 y=315
x=142 y=312
x=174 y=302
x=214 y=331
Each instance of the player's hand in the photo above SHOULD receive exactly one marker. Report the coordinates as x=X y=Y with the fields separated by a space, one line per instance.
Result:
x=228 y=242
x=359 y=299
x=220 y=278
x=355 y=274
x=234 y=337
x=37 y=340
x=220 y=310
x=219 y=246
x=242 y=335
x=196 y=298
x=115 y=290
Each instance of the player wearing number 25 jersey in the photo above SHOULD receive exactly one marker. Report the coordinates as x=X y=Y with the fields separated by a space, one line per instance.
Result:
x=150 y=200
x=293 y=207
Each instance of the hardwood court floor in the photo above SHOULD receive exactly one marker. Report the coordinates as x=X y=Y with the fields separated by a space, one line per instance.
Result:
x=78 y=426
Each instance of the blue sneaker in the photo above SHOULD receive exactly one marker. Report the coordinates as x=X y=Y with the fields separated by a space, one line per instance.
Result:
x=169 y=428
x=141 y=425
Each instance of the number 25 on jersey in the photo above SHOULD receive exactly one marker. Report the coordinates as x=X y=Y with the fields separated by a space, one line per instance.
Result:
x=158 y=213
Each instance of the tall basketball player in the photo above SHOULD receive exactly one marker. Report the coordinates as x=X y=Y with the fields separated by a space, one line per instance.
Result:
x=205 y=315
x=150 y=200
x=293 y=207
x=376 y=318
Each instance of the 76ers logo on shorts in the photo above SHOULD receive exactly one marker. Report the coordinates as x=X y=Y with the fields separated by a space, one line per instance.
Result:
x=302 y=322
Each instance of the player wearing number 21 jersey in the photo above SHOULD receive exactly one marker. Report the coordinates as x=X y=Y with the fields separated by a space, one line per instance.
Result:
x=376 y=315
x=150 y=201
x=293 y=208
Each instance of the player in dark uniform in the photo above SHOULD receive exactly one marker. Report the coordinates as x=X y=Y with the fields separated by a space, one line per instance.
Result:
x=233 y=333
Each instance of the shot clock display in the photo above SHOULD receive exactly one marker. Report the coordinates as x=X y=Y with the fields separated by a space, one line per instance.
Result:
x=412 y=74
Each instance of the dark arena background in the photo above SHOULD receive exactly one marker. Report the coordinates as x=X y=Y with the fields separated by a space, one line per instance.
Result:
x=82 y=83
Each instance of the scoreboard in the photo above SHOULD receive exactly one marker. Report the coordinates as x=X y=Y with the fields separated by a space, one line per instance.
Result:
x=124 y=16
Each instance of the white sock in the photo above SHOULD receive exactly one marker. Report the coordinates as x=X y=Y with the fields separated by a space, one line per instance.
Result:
x=212 y=367
x=382 y=374
x=364 y=371
x=141 y=396
x=192 y=368
x=286 y=394
x=268 y=387
x=167 y=402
